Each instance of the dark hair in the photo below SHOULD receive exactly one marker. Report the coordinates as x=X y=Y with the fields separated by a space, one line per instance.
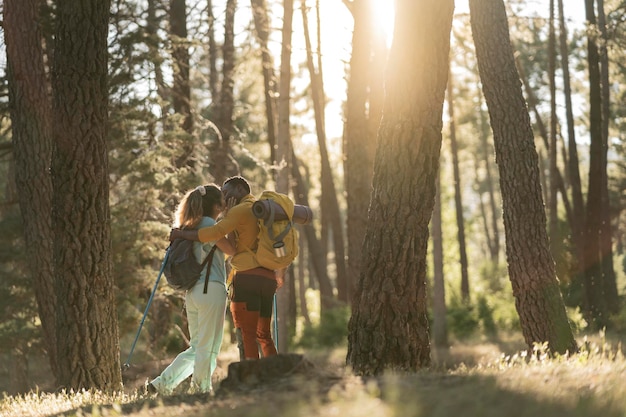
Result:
x=212 y=197
x=238 y=181
x=195 y=204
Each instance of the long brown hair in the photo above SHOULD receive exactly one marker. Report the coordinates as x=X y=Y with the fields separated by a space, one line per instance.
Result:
x=195 y=204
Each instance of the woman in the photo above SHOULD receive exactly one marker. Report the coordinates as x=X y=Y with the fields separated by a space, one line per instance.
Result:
x=205 y=311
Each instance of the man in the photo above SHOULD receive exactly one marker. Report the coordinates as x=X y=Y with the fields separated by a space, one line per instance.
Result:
x=253 y=286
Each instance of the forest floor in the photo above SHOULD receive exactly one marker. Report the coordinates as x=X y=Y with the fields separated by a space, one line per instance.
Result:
x=471 y=379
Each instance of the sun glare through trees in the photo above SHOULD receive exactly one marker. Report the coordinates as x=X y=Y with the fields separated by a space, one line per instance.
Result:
x=384 y=14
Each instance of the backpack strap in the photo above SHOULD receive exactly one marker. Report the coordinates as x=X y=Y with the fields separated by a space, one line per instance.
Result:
x=270 y=222
x=208 y=260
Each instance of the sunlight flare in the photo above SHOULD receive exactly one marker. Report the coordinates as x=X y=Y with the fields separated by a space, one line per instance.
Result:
x=384 y=14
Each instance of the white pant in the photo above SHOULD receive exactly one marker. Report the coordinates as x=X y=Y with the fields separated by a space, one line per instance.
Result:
x=205 y=314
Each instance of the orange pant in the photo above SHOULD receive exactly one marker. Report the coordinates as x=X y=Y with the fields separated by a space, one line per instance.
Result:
x=251 y=306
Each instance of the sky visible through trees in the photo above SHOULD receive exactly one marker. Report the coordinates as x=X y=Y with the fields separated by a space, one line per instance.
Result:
x=337 y=35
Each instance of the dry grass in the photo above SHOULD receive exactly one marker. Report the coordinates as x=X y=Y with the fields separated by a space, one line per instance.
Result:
x=480 y=379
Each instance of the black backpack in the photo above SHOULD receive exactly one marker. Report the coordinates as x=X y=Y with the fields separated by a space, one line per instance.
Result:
x=181 y=269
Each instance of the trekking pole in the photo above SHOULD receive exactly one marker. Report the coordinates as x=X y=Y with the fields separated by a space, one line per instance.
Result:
x=145 y=313
x=275 y=323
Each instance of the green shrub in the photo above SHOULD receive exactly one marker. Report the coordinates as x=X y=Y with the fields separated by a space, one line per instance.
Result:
x=331 y=331
x=618 y=321
x=462 y=319
x=503 y=310
x=485 y=315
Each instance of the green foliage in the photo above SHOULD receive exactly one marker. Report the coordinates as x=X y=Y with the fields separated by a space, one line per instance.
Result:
x=463 y=319
x=618 y=322
x=562 y=250
x=19 y=322
x=493 y=312
x=493 y=278
x=331 y=331
x=485 y=315
x=576 y=319
x=502 y=307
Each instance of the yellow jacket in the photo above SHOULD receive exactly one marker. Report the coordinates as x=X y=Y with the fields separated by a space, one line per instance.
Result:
x=242 y=221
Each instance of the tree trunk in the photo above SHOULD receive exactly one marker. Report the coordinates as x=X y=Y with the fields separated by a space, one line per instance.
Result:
x=440 y=327
x=359 y=144
x=531 y=269
x=154 y=45
x=543 y=177
x=302 y=287
x=483 y=209
x=87 y=333
x=573 y=167
x=495 y=212
x=330 y=205
x=19 y=370
x=553 y=223
x=32 y=151
x=213 y=53
x=556 y=178
x=389 y=324
x=594 y=281
x=283 y=154
x=606 y=231
x=181 y=90
x=223 y=164
x=317 y=256
x=458 y=200
x=261 y=24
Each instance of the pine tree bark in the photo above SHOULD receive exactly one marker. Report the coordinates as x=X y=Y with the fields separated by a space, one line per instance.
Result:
x=389 y=325
x=359 y=144
x=154 y=45
x=32 y=152
x=317 y=256
x=606 y=233
x=483 y=209
x=553 y=222
x=181 y=89
x=489 y=179
x=303 y=266
x=440 y=327
x=283 y=153
x=262 y=29
x=595 y=268
x=531 y=269
x=223 y=164
x=556 y=179
x=458 y=198
x=213 y=53
x=87 y=332
x=18 y=370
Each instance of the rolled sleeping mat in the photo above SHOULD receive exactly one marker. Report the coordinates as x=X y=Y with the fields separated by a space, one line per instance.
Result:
x=301 y=214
